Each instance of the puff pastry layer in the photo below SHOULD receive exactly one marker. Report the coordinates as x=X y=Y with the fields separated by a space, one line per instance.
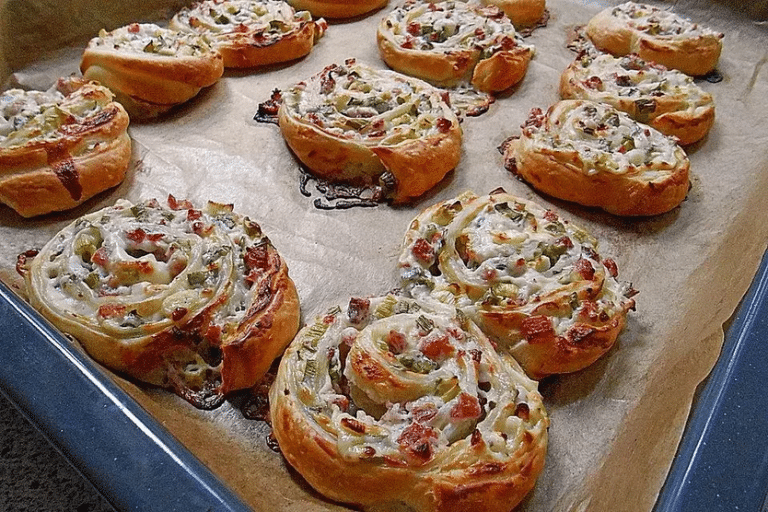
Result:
x=532 y=281
x=151 y=69
x=60 y=147
x=447 y=43
x=523 y=13
x=592 y=154
x=388 y=403
x=250 y=33
x=353 y=123
x=196 y=300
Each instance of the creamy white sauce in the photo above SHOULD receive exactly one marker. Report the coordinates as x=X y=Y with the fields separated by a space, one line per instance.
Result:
x=659 y=22
x=148 y=38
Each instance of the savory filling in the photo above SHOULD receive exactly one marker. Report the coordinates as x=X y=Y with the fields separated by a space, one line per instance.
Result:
x=605 y=139
x=149 y=38
x=448 y=26
x=272 y=19
x=452 y=385
x=659 y=22
x=632 y=77
x=131 y=268
x=356 y=102
x=33 y=116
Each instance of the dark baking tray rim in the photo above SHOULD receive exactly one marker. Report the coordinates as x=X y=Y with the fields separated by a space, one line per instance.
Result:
x=136 y=464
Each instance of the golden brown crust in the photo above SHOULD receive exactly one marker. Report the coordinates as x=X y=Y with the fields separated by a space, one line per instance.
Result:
x=667 y=100
x=502 y=70
x=79 y=160
x=656 y=35
x=338 y=9
x=197 y=301
x=416 y=163
x=264 y=336
x=240 y=52
x=523 y=13
x=147 y=83
x=492 y=61
x=410 y=455
x=612 y=180
x=533 y=282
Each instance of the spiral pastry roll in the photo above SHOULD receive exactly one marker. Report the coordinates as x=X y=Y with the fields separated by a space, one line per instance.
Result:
x=533 y=282
x=388 y=403
x=353 y=123
x=251 y=33
x=657 y=35
x=60 y=147
x=196 y=300
x=594 y=155
x=447 y=43
x=665 y=99
x=151 y=69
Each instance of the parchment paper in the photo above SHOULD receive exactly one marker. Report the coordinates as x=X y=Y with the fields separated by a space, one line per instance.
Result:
x=614 y=426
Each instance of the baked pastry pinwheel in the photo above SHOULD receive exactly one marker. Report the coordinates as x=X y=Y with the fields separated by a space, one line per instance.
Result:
x=666 y=99
x=523 y=13
x=352 y=123
x=195 y=300
x=60 y=147
x=250 y=33
x=656 y=35
x=151 y=69
x=388 y=403
x=594 y=155
x=448 y=43
x=532 y=281
x=339 y=9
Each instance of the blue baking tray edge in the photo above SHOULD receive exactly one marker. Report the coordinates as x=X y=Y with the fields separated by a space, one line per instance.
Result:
x=722 y=460
x=134 y=462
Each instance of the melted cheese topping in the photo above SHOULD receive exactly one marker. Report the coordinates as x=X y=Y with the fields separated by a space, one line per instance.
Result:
x=447 y=26
x=632 y=77
x=499 y=252
x=148 y=38
x=33 y=116
x=450 y=383
x=272 y=19
x=132 y=270
x=658 y=22
x=381 y=107
x=605 y=139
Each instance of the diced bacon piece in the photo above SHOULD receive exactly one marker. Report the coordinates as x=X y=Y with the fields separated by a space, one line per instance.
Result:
x=111 y=310
x=467 y=407
x=436 y=347
x=396 y=342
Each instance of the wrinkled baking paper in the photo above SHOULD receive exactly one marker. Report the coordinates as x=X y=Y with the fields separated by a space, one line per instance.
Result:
x=615 y=426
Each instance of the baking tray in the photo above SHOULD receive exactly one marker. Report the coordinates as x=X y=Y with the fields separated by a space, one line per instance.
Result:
x=721 y=465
